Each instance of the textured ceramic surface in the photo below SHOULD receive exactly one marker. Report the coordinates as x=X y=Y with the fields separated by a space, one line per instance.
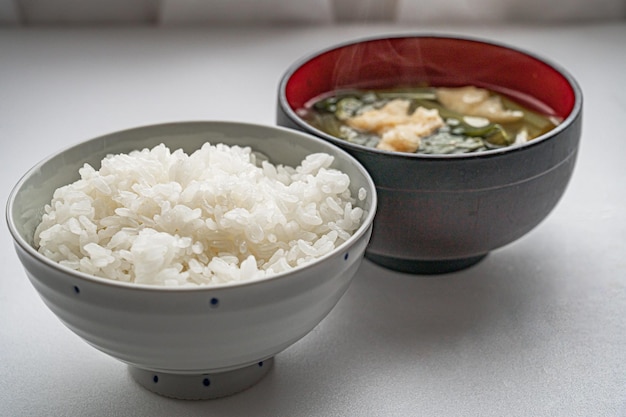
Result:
x=440 y=213
x=201 y=342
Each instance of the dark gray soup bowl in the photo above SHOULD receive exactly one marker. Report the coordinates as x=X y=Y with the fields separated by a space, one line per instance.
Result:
x=442 y=213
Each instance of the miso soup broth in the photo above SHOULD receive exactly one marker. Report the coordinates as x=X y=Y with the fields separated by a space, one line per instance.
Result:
x=427 y=120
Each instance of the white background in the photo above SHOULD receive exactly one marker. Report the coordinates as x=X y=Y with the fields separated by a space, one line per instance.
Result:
x=150 y=12
x=536 y=329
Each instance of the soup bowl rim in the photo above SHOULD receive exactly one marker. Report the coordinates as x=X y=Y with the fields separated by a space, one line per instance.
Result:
x=562 y=126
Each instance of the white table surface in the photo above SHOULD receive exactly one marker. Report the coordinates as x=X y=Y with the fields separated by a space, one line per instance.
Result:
x=537 y=329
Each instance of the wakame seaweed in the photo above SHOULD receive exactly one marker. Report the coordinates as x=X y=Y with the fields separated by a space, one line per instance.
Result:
x=495 y=122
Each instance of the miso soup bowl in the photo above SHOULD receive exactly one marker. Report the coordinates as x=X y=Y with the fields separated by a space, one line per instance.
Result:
x=191 y=343
x=442 y=213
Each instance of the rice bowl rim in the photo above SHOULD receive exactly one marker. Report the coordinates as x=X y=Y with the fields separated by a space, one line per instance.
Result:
x=366 y=222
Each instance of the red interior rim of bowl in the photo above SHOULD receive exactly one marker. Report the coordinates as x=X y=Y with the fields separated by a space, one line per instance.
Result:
x=435 y=61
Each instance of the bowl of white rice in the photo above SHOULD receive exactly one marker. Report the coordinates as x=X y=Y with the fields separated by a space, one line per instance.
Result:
x=194 y=252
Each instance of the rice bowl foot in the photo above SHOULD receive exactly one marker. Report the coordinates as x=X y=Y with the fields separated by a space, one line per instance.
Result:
x=413 y=266
x=205 y=386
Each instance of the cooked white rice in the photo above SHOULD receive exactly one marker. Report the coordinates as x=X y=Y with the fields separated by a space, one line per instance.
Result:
x=219 y=215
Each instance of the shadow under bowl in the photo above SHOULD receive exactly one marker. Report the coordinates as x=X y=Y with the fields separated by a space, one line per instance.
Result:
x=442 y=213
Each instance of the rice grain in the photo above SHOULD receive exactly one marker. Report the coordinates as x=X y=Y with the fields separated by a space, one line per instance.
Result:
x=221 y=214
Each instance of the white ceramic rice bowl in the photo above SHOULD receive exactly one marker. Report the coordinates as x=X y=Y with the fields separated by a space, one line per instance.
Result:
x=194 y=343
